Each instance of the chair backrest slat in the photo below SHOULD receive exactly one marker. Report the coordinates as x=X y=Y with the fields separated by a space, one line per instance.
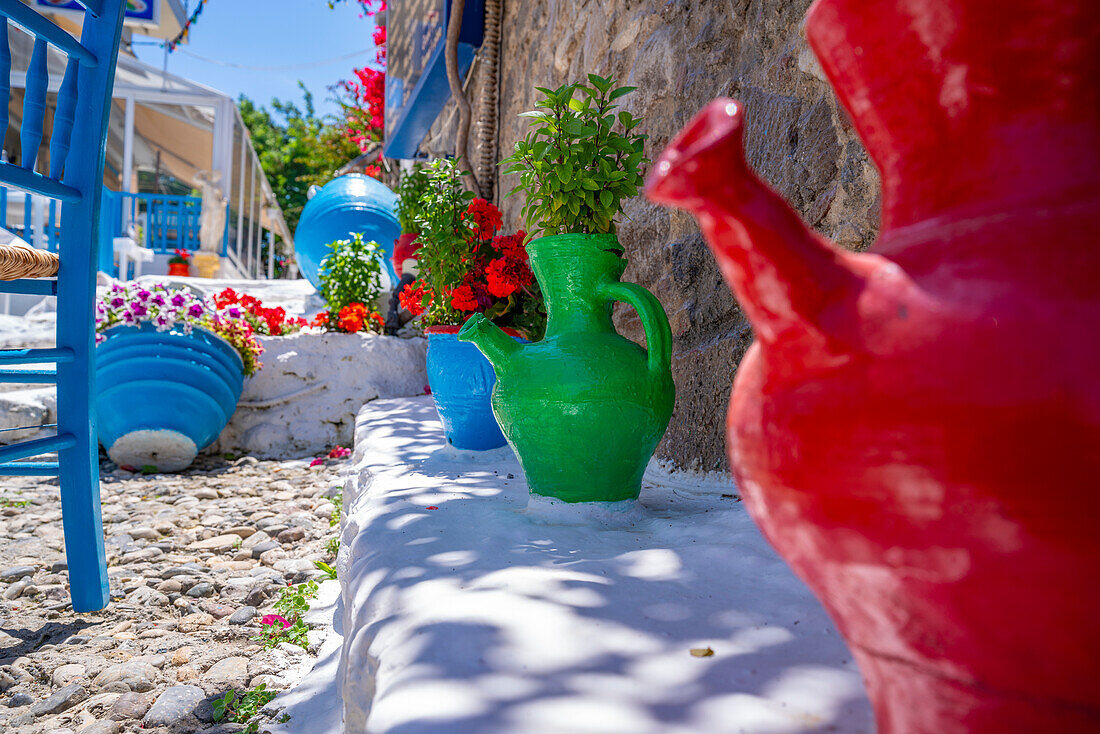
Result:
x=81 y=113
x=42 y=27
x=62 y=134
x=5 y=75
x=34 y=105
x=95 y=7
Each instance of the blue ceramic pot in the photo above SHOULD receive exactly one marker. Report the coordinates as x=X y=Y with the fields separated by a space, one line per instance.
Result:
x=163 y=396
x=462 y=380
x=345 y=205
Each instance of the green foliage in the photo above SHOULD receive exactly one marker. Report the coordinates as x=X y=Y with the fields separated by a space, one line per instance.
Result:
x=240 y=709
x=296 y=148
x=351 y=273
x=446 y=239
x=410 y=191
x=581 y=160
x=294 y=600
x=338 y=501
x=333 y=545
x=295 y=634
x=293 y=604
x=329 y=570
x=9 y=502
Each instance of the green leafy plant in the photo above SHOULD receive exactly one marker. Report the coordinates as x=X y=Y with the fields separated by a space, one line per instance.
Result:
x=351 y=273
x=410 y=190
x=329 y=570
x=446 y=240
x=581 y=160
x=240 y=709
x=293 y=603
x=333 y=545
x=8 y=502
x=337 y=510
x=294 y=600
x=276 y=629
x=465 y=267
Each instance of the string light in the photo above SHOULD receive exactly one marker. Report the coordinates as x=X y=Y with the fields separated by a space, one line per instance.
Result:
x=185 y=31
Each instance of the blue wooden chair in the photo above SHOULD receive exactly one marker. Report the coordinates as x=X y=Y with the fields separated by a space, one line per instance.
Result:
x=75 y=178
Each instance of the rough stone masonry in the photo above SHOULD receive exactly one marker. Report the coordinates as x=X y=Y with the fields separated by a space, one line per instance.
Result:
x=681 y=54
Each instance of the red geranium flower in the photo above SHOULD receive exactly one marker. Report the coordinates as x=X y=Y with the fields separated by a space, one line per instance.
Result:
x=412 y=298
x=226 y=298
x=463 y=299
x=506 y=275
x=351 y=317
x=487 y=218
x=512 y=245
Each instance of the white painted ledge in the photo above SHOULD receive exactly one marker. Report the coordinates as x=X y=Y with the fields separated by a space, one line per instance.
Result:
x=312 y=384
x=488 y=615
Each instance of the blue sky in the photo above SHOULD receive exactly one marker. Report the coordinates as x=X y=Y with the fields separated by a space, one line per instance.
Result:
x=267 y=33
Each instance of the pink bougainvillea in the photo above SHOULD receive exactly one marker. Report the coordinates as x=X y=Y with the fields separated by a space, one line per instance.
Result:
x=364 y=97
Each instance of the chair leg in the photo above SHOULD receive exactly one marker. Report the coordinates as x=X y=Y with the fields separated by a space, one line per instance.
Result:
x=82 y=520
x=80 y=503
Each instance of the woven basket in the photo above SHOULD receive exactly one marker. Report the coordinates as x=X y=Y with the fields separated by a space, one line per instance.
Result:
x=17 y=261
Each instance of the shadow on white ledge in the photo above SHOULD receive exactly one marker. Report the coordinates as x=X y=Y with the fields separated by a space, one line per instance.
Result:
x=468 y=607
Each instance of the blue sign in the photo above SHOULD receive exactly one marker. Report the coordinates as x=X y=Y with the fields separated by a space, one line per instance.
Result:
x=145 y=10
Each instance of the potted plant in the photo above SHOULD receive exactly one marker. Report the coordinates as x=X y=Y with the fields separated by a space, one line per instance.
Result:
x=467 y=269
x=170 y=368
x=180 y=263
x=264 y=321
x=351 y=283
x=584 y=408
x=411 y=189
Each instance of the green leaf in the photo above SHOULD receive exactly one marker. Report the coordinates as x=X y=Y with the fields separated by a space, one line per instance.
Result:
x=621 y=91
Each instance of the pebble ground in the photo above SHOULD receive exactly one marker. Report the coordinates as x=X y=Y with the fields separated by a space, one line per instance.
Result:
x=194 y=559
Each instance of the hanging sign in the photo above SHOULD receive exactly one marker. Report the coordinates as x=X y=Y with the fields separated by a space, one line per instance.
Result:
x=139 y=11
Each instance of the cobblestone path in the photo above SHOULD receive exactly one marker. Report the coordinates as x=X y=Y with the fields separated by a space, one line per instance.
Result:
x=195 y=560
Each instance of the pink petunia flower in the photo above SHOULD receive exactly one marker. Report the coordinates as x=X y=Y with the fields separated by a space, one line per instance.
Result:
x=273 y=619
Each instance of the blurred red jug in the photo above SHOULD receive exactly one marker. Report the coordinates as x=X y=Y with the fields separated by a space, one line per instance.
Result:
x=917 y=428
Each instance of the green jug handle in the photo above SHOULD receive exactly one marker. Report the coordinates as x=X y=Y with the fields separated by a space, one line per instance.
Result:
x=658 y=333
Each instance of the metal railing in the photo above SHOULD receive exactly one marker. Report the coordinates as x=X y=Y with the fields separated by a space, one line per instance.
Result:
x=161 y=222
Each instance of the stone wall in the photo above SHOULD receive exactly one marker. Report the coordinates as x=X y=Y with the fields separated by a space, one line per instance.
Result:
x=681 y=54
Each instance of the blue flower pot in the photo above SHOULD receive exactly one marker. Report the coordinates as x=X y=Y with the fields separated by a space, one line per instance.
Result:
x=349 y=204
x=163 y=396
x=462 y=380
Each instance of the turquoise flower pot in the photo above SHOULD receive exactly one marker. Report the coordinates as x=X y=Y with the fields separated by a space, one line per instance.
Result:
x=163 y=396
x=461 y=381
x=349 y=204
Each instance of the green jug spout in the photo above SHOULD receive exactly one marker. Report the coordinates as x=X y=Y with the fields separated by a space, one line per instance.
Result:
x=496 y=345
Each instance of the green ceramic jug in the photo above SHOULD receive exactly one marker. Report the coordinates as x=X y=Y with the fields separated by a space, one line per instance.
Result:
x=584 y=408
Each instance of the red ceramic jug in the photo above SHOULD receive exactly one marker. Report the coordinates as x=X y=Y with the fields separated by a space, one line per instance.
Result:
x=917 y=429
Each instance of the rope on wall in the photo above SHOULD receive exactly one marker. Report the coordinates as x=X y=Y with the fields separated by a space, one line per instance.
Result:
x=490 y=96
x=454 y=27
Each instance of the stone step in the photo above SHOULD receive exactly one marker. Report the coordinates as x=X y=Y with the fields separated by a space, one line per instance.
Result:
x=29 y=407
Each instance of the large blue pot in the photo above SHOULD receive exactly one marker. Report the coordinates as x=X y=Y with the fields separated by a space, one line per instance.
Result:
x=462 y=380
x=349 y=204
x=163 y=396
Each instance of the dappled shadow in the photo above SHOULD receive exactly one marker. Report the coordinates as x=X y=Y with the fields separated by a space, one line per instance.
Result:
x=488 y=615
x=50 y=633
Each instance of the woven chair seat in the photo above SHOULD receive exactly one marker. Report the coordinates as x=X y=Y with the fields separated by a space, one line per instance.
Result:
x=17 y=261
